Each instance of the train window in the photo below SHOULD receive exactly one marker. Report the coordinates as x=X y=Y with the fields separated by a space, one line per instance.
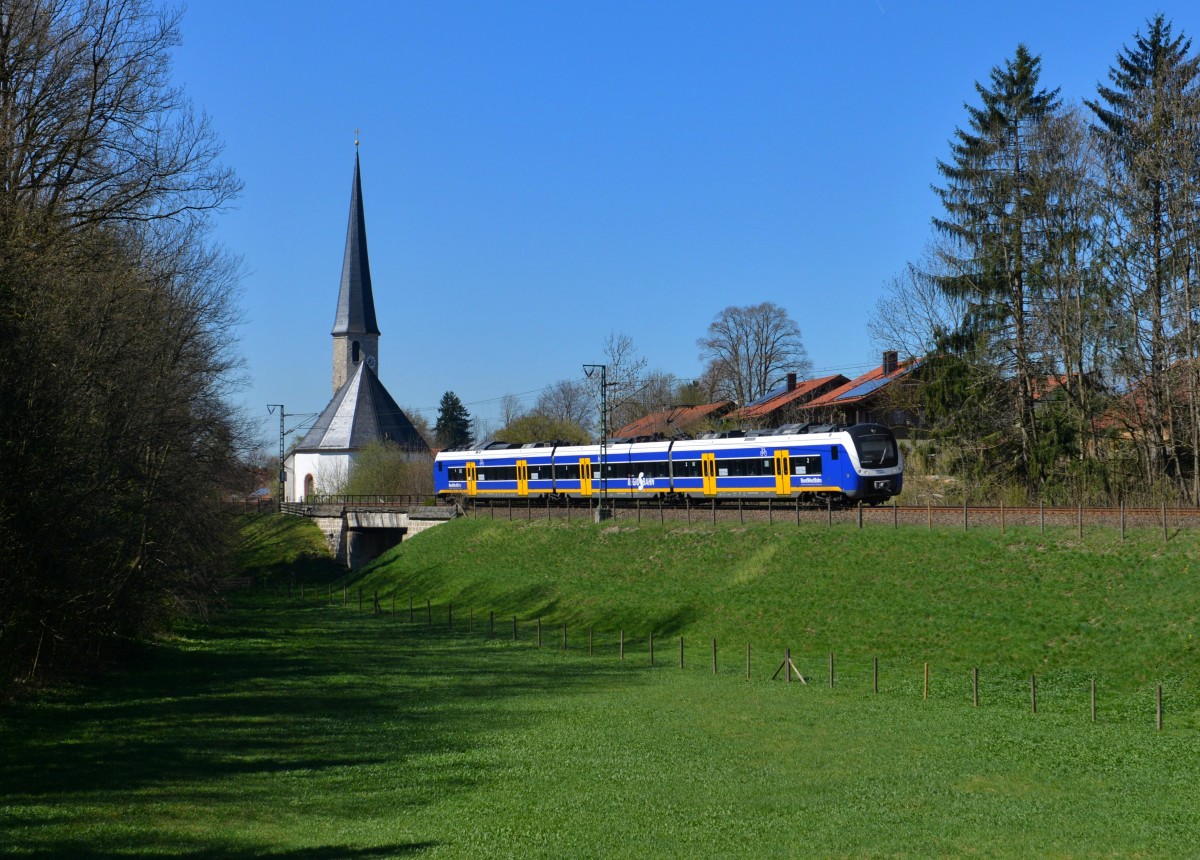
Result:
x=456 y=473
x=876 y=451
x=809 y=465
x=533 y=476
x=441 y=467
x=833 y=452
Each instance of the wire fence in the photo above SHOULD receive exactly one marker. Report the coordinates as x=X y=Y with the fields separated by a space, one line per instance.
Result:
x=1069 y=694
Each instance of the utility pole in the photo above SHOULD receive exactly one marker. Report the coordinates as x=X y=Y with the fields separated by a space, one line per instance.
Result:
x=271 y=407
x=590 y=370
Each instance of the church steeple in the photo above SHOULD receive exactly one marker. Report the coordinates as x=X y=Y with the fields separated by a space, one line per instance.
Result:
x=355 y=332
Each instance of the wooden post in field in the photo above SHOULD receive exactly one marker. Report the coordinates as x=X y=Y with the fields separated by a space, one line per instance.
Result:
x=860 y=506
x=661 y=518
x=622 y=646
x=360 y=599
x=975 y=686
x=1122 y=521
x=875 y=676
x=770 y=512
x=1033 y=693
x=895 y=515
x=1042 y=515
x=929 y=516
x=428 y=611
x=393 y=604
x=491 y=623
x=590 y=650
x=638 y=505
x=1158 y=710
x=1081 y=519
x=651 y=647
x=787 y=664
x=345 y=596
x=680 y=652
x=1002 y=524
x=714 y=656
x=410 y=607
x=926 y=694
x=965 y=527
x=741 y=514
x=1093 y=699
x=514 y=628
x=375 y=610
x=564 y=636
x=471 y=620
x=797 y=510
x=1164 y=521
x=539 y=632
x=829 y=509
x=714 y=511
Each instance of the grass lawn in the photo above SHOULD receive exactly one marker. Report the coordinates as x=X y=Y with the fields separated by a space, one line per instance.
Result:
x=313 y=732
x=296 y=729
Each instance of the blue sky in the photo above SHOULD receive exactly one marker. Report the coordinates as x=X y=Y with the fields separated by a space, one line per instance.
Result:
x=539 y=175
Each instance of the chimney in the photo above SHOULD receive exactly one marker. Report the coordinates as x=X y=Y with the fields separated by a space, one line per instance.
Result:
x=889 y=362
x=791 y=382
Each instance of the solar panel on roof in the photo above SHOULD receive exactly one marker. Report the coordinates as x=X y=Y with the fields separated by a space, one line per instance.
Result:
x=771 y=395
x=865 y=388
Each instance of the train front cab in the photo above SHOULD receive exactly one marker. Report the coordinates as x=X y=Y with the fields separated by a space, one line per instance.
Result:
x=880 y=475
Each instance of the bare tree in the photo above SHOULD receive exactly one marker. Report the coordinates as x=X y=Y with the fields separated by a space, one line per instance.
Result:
x=567 y=400
x=117 y=326
x=750 y=350
x=510 y=409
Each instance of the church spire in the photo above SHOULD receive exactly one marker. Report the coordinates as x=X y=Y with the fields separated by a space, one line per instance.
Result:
x=355 y=332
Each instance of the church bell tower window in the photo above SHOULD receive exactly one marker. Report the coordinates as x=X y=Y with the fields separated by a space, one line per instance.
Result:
x=354 y=352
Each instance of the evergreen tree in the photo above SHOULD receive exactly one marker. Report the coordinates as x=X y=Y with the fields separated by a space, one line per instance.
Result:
x=453 y=427
x=1148 y=126
x=995 y=199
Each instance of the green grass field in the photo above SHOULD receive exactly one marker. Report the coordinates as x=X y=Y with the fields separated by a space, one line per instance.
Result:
x=300 y=729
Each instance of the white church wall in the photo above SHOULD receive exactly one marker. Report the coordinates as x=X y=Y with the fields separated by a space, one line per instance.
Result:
x=326 y=471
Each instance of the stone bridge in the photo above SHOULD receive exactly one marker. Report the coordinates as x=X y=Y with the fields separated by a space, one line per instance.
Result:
x=361 y=532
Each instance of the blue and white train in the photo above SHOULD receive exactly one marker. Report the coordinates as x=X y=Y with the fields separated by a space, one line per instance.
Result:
x=820 y=462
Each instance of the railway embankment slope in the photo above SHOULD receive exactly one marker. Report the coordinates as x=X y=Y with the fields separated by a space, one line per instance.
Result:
x=1013 y=603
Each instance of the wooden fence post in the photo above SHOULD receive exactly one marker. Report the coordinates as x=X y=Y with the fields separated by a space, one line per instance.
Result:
x=1002 y=523
x=1042 y=515
x=1122 y=521
x=622 y=643
x=1164 y=521
x=860 y=507
x=714 y=656
x=428 y=611
x=491 y=623
x=360 y=599
x=564 y=636
x=929 y=516
x=1081 y=519
x=965 y=527
x=539 y=632
x=410 y=608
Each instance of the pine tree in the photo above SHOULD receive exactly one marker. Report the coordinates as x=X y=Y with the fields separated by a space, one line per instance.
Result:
x=453 y=427
x=994 y=197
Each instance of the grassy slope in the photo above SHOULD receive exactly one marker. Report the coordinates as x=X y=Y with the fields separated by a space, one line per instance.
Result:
x=290 y=728
x=1011 y=604
x=282 y=547
x=304 y=731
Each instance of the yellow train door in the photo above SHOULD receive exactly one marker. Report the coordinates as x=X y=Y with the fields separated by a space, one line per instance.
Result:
x=522 y=477
x=585 y=476
x=783 y=473
x=472 y=482
x=708 y=470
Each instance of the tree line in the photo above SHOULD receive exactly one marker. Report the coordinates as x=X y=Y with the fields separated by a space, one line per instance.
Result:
x=116 y=335
x=1057 y=304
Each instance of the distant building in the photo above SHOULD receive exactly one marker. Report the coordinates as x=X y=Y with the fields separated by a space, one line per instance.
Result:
x=782 y=406
x=678 y=420
x=874 y=397
x=361 y=411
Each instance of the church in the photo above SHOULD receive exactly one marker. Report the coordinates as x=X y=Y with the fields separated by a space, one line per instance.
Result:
x=361 y=411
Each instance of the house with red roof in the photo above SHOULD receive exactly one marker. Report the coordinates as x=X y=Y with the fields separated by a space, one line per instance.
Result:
x=876 y=397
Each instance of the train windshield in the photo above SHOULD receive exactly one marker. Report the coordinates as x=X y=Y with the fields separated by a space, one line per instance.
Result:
x=876 y=447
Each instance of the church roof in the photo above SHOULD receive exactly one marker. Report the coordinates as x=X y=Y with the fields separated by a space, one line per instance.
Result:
x=361 y=412
x=356 y=304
